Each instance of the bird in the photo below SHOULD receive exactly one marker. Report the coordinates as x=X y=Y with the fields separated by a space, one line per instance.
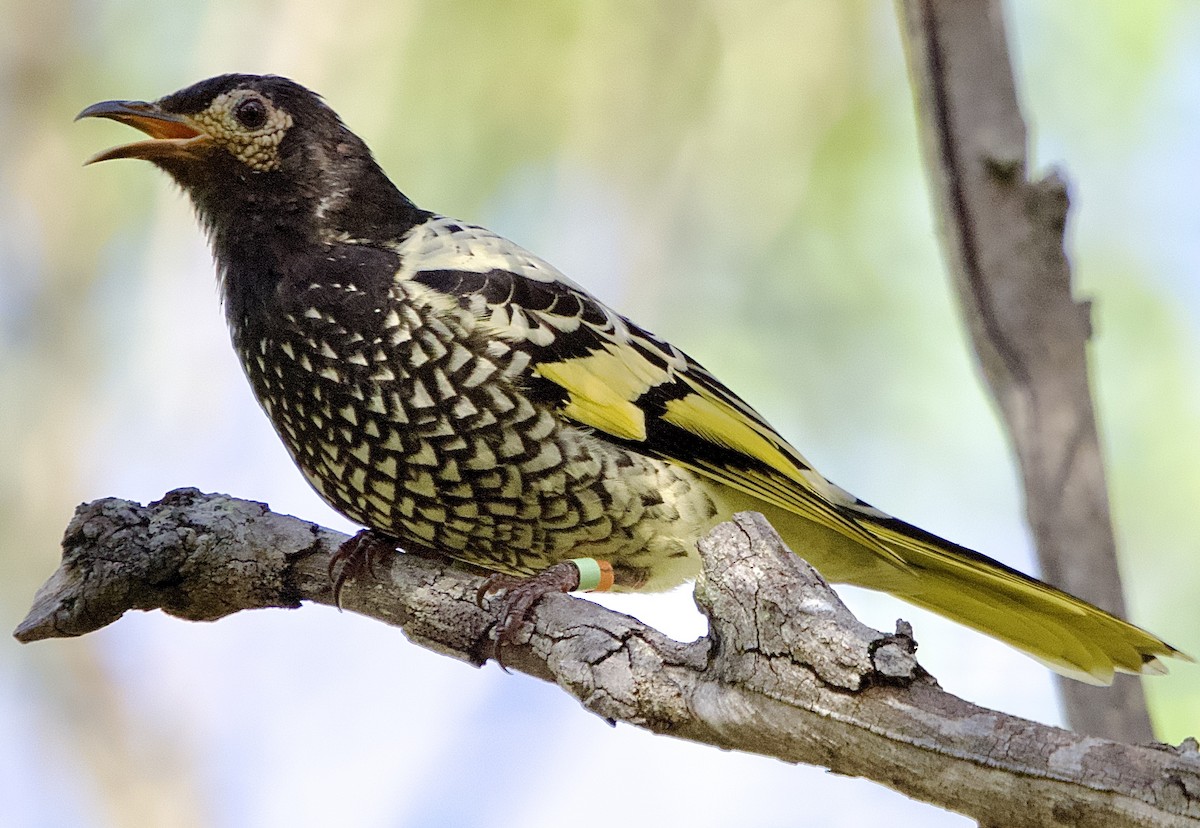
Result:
x=453 y=393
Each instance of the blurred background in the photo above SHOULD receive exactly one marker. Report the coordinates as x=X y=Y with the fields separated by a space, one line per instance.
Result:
x=742 y=178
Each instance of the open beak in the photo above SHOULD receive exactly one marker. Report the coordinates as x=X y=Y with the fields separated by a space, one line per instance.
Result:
x=171 y=136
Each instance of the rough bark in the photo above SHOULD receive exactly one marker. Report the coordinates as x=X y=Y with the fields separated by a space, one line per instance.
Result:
x=786 y=670
x=1003 y=238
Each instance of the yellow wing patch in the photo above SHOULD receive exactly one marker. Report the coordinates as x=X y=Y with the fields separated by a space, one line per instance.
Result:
x=718 y=422
x=622 y=374
x=787 y=481
x=603 y=387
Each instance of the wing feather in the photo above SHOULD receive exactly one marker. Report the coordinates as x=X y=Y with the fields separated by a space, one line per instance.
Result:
x=619 y=379
x=603 y=372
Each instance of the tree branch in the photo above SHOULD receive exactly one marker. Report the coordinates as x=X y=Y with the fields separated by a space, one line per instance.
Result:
x=786 y=670
x=1003 y=237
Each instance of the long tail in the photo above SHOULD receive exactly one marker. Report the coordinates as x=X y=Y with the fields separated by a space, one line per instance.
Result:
x=1066 y=633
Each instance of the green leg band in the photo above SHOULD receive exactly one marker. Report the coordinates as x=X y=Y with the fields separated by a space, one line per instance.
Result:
x=589 y=573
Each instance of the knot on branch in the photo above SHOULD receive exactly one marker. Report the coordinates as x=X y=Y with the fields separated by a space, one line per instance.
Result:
x=185 y=554
x=777 y=626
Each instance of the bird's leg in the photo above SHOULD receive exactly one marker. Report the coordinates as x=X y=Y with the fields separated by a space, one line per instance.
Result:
x=357 y=557
x=521 y=593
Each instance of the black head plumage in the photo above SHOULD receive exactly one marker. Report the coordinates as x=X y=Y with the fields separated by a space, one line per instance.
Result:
x=276 y=178
x=263 y=154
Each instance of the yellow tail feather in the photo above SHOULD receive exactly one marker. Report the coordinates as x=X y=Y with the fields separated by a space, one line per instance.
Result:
x=1067 y=634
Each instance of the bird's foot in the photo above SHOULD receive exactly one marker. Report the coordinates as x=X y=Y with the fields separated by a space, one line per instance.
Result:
x=357 y=557
x=521 y=593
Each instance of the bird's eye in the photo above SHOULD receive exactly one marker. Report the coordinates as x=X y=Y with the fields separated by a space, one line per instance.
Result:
x=251 y=113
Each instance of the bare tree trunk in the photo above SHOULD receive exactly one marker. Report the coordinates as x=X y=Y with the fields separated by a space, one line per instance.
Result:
x=786 y=670
x=1003 y=237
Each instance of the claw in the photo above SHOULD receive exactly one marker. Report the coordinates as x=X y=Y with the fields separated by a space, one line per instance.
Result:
x=521 y=594
x=357 y=557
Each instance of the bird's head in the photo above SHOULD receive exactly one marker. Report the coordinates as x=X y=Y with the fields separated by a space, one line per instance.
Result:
x=261 y=150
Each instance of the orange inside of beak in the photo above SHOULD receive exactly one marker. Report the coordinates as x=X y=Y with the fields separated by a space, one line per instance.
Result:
x=172 y=135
